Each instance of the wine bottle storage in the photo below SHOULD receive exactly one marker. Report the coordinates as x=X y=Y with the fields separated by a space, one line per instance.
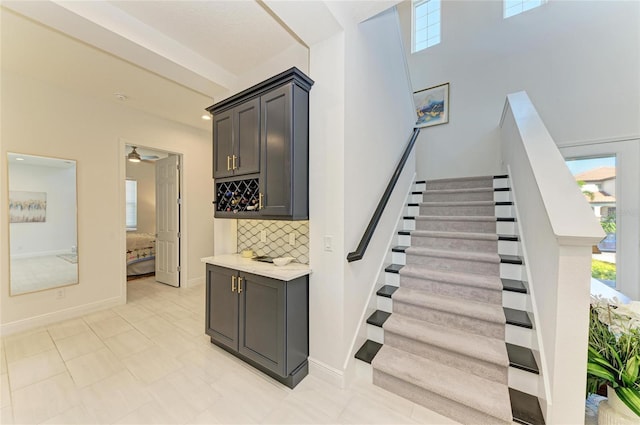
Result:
x=238 y=196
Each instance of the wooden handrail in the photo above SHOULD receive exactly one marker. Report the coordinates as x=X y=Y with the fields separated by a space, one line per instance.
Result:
x=371 y=228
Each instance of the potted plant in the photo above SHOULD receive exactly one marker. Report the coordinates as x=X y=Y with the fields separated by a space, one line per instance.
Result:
x=614 y=352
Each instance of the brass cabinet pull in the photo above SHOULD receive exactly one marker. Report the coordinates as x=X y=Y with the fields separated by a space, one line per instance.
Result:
x=228 y=163
x=233 y=162
x=239 y=285
x=233 y=284
x=260 y=201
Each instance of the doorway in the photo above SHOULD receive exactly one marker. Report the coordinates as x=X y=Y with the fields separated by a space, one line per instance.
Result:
x=612 y=175
x=153 y=212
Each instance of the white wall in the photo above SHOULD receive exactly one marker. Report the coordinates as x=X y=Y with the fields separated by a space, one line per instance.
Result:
x=145 y=174
x=58 y=233
x=94 y=133
x=577 y=60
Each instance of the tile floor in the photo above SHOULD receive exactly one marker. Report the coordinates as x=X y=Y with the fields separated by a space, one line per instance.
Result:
x=149 y=362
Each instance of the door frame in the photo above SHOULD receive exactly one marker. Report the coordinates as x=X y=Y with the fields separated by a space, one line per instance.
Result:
x=122 y=176
x=627 y=153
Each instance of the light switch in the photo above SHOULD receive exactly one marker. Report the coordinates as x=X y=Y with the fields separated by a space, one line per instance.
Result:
x=328 y=243
x=292 y=238
x=263 y=235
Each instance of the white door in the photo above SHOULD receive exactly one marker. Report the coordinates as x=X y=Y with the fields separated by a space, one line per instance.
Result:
x=168 y=221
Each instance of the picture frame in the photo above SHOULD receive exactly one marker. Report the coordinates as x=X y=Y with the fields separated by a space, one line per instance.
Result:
x=27 y=207
x=432 y=105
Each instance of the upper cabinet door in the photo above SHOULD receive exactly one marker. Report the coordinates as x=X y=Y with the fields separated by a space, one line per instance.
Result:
x=247 y=138
x=275 y=170
x=223 y=144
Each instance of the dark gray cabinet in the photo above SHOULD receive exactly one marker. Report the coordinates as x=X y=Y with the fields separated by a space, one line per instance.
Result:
x=261 y=135
x=236 y=136
x=263 y=321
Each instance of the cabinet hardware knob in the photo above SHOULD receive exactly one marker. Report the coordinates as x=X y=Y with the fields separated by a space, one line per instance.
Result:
x=233 y=284
x=239 y=285
x=228 y=163
x=233 y=162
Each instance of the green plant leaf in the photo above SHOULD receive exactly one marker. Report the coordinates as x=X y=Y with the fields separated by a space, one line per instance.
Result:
x=630 y=373
x=601 y=372
x=630 y=397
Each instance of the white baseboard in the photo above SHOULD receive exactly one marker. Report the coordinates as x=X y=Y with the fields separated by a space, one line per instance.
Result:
x=194 y=282
x=327 y=373
x=58 y=316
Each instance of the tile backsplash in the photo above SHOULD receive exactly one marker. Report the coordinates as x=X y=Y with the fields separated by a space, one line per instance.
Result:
x=277 y=244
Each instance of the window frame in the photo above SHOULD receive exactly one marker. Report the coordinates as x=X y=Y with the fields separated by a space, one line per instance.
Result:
x=521 y=4
x=415 y=4
x=131 y=227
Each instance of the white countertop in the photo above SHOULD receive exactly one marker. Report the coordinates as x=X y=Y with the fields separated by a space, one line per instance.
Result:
x=235 y=261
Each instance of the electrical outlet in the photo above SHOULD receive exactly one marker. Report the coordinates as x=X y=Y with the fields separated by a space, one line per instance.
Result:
x=263 y=235
x=292 y=238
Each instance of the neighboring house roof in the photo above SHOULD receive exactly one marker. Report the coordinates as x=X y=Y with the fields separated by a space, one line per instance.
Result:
x=600 y=198
x=597 y=174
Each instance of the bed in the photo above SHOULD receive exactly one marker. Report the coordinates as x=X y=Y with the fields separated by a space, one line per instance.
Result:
x=141 y=253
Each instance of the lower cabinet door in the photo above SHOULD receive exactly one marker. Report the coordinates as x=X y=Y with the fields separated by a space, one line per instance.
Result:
x=222 y=305
x=262 y=321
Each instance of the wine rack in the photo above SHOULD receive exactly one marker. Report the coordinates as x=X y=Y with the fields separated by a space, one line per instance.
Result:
x=238 y=196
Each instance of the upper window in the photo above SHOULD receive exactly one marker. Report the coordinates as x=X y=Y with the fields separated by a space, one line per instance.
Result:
x=132 y=204
x=515 y=7
x=426 y=24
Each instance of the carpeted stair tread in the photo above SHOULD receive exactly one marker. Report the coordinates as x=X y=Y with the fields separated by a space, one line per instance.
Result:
x=481 y=394
x=458 y=204
x=488 y=312
x=459 y=190
x=454 y=180
x=489 y=218
x=490 y=350
x=458 y=255
x=455 y=235
x=466 y=279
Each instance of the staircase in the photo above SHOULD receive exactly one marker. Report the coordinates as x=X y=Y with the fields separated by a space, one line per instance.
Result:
x=451 y=331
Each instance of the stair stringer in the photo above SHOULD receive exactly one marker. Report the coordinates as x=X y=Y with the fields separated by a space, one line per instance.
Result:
x=544 y=387
x=352 y=366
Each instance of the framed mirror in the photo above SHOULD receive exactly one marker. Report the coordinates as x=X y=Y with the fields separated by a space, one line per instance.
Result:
x=43 y=231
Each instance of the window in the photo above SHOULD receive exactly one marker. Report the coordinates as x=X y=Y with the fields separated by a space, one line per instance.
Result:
x=515 y=7
x=131 y=204
x=426 y=24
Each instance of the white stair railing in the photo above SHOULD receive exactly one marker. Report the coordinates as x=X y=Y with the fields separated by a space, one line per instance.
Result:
x=558 y=230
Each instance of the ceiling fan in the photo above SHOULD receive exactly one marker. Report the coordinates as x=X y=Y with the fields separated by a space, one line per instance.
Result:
x=134 y=156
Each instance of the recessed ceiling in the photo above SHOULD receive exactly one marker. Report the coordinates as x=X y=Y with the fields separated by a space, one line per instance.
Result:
x=237 y=35
x=233 y=35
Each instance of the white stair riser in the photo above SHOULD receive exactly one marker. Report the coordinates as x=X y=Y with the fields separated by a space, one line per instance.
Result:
x=526 y=382
x=517 y=335
x=504 y=211
x=502 y=196
x=404 y=240
x=408 y=225
x=392 y=279
x=508 y=247
x=413 y=211
x=505 y=228
x=515 y=300
x=364 y=371
x=415 y=198
x=511 y=271
x=399 y=258
x=384 y=304
x=500 y=183
x=375 y=333
x=419 y=187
